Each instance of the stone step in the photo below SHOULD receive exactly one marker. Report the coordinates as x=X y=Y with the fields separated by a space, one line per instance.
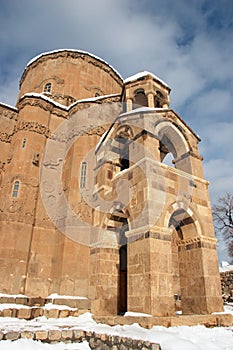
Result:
x=29 y=313
x=74 y=302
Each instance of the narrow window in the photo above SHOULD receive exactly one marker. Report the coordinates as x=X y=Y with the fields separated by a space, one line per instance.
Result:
x=48 y=87
x=124 y=154
x=15 y=189
x=83 y=175
x=24 y=143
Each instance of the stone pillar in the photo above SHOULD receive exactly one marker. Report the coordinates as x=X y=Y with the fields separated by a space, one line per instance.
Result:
x=104 y=276
x=190 y=163
x=213 y=291
x=199 y=277
x=150 y=277
x=150 y=97
x=129 y=104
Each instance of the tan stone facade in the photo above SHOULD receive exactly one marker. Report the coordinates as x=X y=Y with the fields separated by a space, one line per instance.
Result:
x=147 y=235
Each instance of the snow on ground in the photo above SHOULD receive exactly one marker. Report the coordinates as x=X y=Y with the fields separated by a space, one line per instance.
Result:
x=25 y=344
x=173 y=338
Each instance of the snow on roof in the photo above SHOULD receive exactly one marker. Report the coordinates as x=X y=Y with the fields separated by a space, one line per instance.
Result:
x=46 y=98
x=144 y=74
x=67 y=108
x=144 y=110
x=76 y=51
x=58 y=296
x=9 y=106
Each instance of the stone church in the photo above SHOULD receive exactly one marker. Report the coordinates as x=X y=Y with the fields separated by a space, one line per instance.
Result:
x=102 y=192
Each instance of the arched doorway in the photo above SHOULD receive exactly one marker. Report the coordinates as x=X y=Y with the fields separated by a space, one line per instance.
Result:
x=186 y=262
x=122 y=286
x=118 y=224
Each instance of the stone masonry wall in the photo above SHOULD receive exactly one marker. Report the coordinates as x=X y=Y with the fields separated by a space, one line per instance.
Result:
x=227 y=285
x=96 y=341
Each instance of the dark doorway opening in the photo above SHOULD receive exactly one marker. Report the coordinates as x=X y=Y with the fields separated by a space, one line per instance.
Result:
x=119 y=218
x=122 y=302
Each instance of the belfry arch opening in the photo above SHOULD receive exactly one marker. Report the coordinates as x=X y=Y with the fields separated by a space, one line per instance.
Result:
x=183 y=232
x=166 y=156
x=173 y=146
x=121 y=140
x=158 y=99
x=140 y=99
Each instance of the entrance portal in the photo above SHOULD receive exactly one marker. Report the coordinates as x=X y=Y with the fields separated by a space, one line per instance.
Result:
x=188 y=281
x=122 y=295
x=118 y=223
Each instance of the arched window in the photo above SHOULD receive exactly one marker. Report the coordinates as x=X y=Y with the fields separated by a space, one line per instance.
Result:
x=15 y=190
x=83 y=175
x=48 y=87
x=24 y=143
x=158 y=99
x=166 y=155
x=140 y=99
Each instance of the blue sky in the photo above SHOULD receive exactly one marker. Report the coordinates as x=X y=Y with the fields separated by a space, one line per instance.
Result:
x=187 y=43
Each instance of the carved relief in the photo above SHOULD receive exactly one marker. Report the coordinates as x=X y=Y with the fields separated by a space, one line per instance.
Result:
x=83 y=210
x=4 y=137
x=52 y=164
x=35 y=102
x=7 y=113
x=94 y=88
x=75 y=132
x=34 y=127
x=13 y=207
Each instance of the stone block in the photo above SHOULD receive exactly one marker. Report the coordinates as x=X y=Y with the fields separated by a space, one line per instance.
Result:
x=24 y=313
x=155 y=347
x=75 y=313
x=7 y=313
x=27 y=335
x=64 y=313
x=54 y=335
x=36 y=301
x=78 y=335
x=41 y=335
x=7 y=300
x=67 y=334
x=37 y=312
x=21 y=300
x=12 y=336
x=51 y=313
x=74 y=303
